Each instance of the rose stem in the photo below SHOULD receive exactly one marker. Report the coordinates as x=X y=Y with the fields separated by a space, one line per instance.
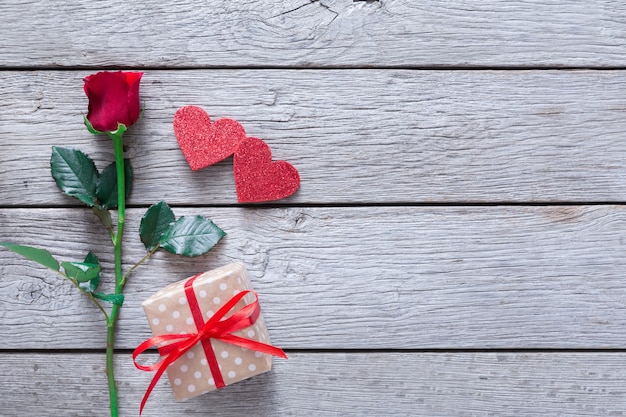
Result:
x=119 y=284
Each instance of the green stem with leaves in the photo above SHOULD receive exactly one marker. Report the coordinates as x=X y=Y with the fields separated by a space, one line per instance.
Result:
x=87 y=293
x=119 y=276
x=77 y=176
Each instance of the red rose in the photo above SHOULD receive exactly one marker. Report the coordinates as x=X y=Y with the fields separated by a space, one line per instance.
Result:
x=113 y=98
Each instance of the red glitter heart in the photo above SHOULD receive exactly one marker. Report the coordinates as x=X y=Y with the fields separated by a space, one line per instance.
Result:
x=259 y=179
x=204 y=143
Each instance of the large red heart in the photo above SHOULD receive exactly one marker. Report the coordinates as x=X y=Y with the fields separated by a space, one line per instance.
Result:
x=204 y=143
x=259 y=179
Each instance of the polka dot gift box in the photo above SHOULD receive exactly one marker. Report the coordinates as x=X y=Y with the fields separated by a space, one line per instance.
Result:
x=210 y=332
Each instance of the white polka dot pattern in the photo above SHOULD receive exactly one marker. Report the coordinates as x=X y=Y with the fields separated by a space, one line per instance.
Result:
x=168 y=312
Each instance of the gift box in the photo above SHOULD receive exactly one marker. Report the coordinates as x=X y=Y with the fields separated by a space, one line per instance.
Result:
x=188 y=308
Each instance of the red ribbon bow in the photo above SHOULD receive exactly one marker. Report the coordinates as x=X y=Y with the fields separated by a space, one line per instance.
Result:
x=173 y=346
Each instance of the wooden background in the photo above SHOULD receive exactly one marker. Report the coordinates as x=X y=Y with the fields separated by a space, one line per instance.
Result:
x=456 y=247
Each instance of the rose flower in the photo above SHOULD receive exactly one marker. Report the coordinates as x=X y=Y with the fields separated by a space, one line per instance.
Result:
x=113 y=98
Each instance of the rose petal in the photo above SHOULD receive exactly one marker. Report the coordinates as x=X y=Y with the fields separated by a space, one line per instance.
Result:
x=134 y=108
x=112 y=99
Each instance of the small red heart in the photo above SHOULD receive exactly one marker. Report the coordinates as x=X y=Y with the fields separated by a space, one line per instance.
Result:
x=204 y=143
x=257 y=178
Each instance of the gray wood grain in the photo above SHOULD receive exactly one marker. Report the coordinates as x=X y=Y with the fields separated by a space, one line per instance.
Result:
x=337 y=384
x=339 y=278
x=303 y=33
x=389 y=303
x=356 y=136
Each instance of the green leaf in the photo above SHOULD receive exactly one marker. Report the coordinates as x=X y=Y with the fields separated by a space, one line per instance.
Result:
x=81 y=271
x=41 y=256
x=154 y=224
x=92 y=284
x=106 y=188
x=104 y=216
x=75 y=174
x=117 y=299
x=191 y=236
x=91 y=258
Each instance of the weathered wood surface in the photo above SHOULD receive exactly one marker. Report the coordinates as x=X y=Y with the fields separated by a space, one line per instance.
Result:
x=304 y=33
x=357 y=136
x=389 y=302
x=338 y=384
x=339 y=278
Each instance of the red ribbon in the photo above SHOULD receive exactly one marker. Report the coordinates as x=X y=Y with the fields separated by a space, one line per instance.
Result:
x=173 y=346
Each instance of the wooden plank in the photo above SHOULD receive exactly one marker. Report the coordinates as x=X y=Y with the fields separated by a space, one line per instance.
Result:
x=337 y=278
x=337 y=384
x=357 y=136
x=305 y=33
